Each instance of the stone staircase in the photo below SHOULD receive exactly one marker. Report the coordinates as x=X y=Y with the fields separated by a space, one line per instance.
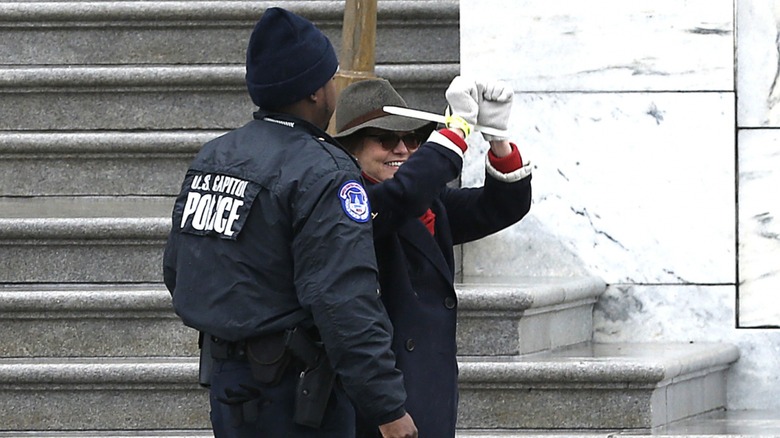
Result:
x=105 y=103
x=527 y=366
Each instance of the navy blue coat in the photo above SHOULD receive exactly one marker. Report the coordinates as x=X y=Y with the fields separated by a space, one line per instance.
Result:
x=416 y=269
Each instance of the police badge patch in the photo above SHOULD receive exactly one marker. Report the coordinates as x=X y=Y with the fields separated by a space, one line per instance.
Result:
x=354 y=201
x=214 y=204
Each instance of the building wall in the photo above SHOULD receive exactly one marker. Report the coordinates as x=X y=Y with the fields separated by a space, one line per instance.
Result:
x=651 y=128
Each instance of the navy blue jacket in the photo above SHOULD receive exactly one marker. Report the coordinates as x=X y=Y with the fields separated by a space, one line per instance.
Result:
x=416 y=269
x=272 y=230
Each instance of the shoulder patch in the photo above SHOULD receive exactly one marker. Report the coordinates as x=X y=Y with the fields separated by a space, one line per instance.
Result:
x=354 y=201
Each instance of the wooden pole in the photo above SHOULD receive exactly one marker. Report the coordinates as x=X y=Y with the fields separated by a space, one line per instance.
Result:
x=358 y=46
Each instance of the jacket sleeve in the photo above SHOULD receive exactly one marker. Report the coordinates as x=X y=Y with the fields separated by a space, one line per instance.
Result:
x=335 y=274
x=410 y=192
x=478 y=212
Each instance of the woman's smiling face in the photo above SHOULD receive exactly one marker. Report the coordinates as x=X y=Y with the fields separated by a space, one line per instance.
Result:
x=383 y=152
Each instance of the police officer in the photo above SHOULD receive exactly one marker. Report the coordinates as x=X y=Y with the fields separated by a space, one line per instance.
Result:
x=270 y=256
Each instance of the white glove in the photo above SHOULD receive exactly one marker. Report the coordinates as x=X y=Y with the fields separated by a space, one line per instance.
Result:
x=462 y=96
x=494 y=106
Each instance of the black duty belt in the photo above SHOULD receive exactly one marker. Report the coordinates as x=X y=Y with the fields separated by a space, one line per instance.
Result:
x=295 y=340
x=222 y=349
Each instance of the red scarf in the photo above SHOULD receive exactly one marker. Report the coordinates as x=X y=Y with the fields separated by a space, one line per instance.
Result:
x=429 y=220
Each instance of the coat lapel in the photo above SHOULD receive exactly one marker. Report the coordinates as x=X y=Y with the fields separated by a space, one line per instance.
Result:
x=415 y=233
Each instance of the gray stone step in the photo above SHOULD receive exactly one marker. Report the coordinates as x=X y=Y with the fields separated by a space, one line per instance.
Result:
x=68 y=159
x=97 y=163
x=123 y=98
x=514 y=316
x=747 y=424
x=171 y=97
x=90 y=320
x=112 y=320
x=602 y=387
x=192 y=433
x=83 y=239
x=101 y=394
x=205 y=433
x=599 y=386
x=205 y=32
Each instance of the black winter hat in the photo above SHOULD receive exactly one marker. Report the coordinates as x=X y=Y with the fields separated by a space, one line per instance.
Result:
x=287 y=59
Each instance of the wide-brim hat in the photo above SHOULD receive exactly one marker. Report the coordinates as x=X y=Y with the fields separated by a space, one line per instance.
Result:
x=360 y=106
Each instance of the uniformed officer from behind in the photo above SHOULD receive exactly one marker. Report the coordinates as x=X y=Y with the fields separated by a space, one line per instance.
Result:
x=270 y=257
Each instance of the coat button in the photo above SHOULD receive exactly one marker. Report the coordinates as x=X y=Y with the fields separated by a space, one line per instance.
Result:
x=449 y=303
x=409 y=344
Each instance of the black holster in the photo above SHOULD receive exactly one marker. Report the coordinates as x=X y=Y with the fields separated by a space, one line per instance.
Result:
x=269 y=358
x=315 y=383
x=206 y=362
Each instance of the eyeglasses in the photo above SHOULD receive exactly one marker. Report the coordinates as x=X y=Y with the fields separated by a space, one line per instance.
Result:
x=389 y=140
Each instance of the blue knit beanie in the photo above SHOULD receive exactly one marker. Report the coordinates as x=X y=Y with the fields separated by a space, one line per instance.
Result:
x=287 y=59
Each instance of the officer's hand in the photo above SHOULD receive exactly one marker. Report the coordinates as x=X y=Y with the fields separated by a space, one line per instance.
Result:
x=462 y=97
x=495 y=106
x=401 y=428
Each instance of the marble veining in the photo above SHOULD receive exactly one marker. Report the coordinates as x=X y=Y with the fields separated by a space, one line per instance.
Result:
x=601 y=45
x=647 y=124
x=639 y=185
x=634 y=115
x=759 y=228
x=758 y=63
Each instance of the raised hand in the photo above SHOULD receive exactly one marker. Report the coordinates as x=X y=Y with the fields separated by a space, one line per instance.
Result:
x=494 y=106
x=463 y=99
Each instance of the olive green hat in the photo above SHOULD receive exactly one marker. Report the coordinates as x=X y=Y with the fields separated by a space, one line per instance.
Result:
x=360 y=106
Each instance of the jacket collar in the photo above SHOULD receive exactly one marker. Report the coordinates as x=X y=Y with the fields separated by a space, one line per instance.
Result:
x=293 y=122
x=297 y=123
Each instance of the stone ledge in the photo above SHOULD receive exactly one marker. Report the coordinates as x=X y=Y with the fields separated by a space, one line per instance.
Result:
x=193 y=433
x=510 y=316
x=78 y=230
x=206 y=32
x=74 y=208
x=509 y=433
x=487 y=293
x=92 y=77
x=16 y=373
x=637 y=364
x=38 y=145
x=601 y=386
x=82 y=300
x=208 y=11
